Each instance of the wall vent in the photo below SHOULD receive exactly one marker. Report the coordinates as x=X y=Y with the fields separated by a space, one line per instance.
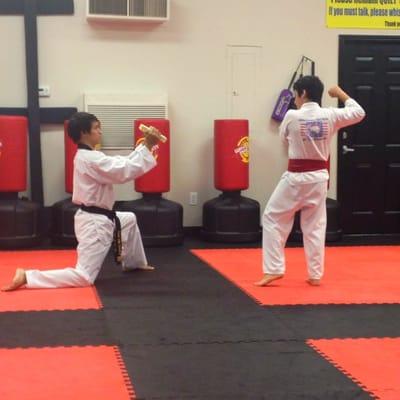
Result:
x=117 y=113
x=128 y=10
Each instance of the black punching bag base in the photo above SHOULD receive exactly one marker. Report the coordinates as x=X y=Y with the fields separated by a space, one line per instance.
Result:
x=19 y=226
x=231 y=218
x=333 y=231
x=160 y=221
x=62 y=231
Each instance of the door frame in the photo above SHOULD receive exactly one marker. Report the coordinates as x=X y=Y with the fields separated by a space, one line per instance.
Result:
x=343 y=41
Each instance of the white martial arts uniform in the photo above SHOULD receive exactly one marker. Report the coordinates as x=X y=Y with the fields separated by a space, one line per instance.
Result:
x=94 y=176
x=308 y=133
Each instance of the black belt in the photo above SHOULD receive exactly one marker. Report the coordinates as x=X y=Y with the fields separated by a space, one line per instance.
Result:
x=112 y=215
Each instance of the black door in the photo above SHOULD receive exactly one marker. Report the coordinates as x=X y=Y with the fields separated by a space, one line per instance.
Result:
x=369 y=153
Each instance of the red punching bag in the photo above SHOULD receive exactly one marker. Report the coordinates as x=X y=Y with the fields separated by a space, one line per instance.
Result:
x=70 y=149
x=158 y=179
x=13 y=157
x=231 y=154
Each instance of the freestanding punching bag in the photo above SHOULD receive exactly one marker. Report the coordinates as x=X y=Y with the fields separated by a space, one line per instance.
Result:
x=19 y=226
x=231 y=217
x=63 y=211
x=160 y=220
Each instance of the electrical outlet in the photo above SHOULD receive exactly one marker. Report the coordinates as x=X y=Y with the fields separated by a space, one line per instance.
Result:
x=193 y=198
x=44 y=91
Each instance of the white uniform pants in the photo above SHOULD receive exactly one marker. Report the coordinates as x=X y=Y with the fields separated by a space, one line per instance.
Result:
x=278 y=219
x=95 y=234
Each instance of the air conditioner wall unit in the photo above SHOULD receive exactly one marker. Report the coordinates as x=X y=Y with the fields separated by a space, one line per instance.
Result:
x=128 y=10
x=118 y=111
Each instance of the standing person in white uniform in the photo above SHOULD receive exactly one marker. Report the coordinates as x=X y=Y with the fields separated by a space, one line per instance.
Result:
x=96 y=225
x=308 y=132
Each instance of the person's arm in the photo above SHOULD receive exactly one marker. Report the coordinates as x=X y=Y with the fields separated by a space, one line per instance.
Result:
x=339 y=93
x=283 y=128
x=350 y=114
x=119 y=169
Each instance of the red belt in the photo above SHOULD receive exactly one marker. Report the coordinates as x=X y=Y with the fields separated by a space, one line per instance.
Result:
x=299 y=165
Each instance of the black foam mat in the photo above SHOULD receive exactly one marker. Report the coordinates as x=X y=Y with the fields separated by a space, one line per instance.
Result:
x=53 y=328
x=341 y=321
x=276 y=371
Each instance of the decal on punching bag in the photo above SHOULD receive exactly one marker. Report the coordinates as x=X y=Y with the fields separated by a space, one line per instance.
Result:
x=243 y=149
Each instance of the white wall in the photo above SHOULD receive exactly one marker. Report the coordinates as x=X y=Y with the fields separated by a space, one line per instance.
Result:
x=186 y=58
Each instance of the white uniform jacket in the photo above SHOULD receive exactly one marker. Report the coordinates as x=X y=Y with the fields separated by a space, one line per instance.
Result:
x=309 y=131
x=95 y=173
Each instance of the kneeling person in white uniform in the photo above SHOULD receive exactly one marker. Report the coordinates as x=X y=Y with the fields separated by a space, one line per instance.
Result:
x=308 y=131
x=96 y=225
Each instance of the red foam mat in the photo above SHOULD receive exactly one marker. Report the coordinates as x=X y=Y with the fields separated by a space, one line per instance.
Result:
x=353 y=275
x=43 y=299
x=372 y=363
x=64 y=373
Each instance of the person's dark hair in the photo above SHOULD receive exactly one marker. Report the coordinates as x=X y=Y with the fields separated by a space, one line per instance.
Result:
x=78 y=123
x=313 y=87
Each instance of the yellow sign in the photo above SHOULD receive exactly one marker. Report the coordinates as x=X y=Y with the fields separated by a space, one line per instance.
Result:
x=364 y=14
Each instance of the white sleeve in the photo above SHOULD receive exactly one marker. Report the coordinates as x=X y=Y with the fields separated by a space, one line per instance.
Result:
x=119 y=169
x=350 y=114
x=283 y=129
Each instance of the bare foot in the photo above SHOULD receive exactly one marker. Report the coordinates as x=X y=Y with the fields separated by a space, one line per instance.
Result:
x=146 y=268
x=314 y=282
x=142 y=268
x=18 y=281
x=267 y=279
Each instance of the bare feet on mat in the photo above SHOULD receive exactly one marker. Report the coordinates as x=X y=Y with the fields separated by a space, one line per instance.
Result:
x=18 y=281
x=314 y=282
x=267 y=279
x=146 y=268
x=142 y=268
